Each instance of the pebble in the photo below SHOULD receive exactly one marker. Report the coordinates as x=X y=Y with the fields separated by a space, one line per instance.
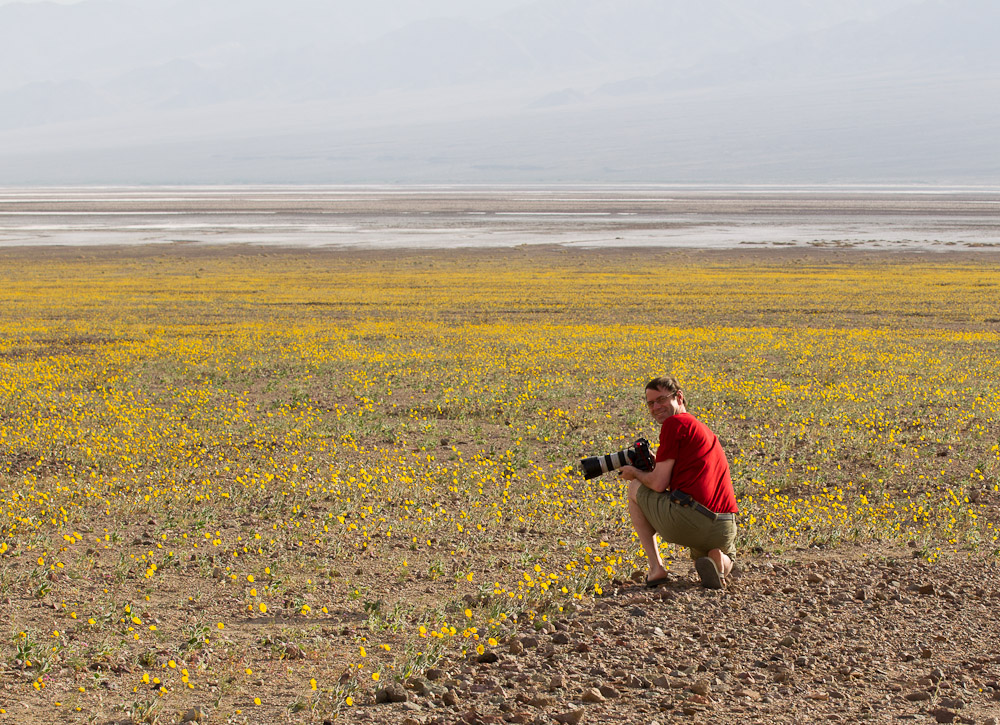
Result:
x=609 y=692
x=592 y=695
x=702 y=687
x=194 y=714
x=573 y=717
x=943 y=714
x=390 y=693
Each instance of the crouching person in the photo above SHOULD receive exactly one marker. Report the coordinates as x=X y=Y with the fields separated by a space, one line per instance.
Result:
x=688 y=498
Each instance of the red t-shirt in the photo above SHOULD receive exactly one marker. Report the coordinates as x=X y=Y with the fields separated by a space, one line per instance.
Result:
x=700 y=466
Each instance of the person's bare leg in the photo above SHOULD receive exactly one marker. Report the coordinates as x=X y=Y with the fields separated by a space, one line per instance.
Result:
x=722 y=561
x=647 y=534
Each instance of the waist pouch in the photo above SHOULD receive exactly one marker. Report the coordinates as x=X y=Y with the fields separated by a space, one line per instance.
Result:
x=685 y=499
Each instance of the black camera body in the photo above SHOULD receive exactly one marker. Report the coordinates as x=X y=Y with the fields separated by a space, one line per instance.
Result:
x=637 y=455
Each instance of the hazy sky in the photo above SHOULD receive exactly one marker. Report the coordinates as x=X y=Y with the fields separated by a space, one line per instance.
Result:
x=329 y=91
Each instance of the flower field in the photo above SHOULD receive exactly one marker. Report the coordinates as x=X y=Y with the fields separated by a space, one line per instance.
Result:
x=261 y=486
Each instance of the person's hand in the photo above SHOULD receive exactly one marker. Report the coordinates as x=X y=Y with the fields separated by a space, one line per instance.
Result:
x=628 y=472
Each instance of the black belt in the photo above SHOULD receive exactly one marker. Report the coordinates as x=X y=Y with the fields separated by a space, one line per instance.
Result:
x=685 y=499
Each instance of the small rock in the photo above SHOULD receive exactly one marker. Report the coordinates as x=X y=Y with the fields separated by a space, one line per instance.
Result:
x=662 y=682
x=573 y=717
x=195 y=714
x=609 y=692
x=529 y=642
x=560 y=638
x=558 y=682
x=788 y=641
x=637 y=682
x=917 y=696
x=450 y=698
x=434 y=674
x=702 y=687
x=637 y=612
x=593 y=695
x=943 y=714
x=419 y=685
x=861 y=594
x=390 y=693
x=487 y=658
x=926 y=589
x=515 y=647
x=815 y=578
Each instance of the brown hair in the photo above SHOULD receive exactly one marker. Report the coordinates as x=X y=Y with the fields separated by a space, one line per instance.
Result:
x=666 y=383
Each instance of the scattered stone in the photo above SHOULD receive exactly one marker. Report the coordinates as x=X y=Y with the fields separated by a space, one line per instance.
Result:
x=609 y=692
x=434 y=674
x=487 y=658
x=663 y=682
x=788 y=641
x=917 y=696
x=560 y=638
x=390 y=693
x=419 y=685
x=573 y=717
x=943 y=714
x=926 y=589
x=592 y=695
x=814 y=578
x=195 y=714
x=702 y=687
x=515 y=647
x=557 y=682
x=450 y=698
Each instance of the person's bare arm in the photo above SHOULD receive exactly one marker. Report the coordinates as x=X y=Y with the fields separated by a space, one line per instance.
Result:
x=657 y=480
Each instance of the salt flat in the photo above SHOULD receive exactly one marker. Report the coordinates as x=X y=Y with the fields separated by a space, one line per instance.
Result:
x=441 y=217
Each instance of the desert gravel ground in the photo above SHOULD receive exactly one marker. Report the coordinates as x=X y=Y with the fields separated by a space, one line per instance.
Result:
x=857 y=635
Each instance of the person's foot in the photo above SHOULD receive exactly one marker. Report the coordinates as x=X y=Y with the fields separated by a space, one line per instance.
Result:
x=722 y=562
x=656 y=576
x=708 y=572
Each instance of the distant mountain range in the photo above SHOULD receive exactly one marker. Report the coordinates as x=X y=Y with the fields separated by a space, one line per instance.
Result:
x=324 y=91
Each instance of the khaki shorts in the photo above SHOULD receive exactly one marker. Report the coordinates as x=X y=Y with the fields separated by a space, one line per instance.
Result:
x=683 y=525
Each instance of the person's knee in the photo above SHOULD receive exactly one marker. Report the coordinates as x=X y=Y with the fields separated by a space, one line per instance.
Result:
x=633 y=490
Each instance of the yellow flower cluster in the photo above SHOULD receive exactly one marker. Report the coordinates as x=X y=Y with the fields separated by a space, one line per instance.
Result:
x=239 y=441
